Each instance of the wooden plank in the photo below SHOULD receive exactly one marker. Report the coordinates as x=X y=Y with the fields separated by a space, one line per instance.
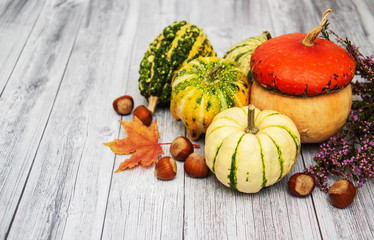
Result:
x=26 y=103
x=291 y=16
x=226 y=214
x=140 y=206
x=71 y=190
x=67 y=191
x=17 y=20
x=272 y=213
x=333 y=223
x=350 y=20
x=355 y=222
x=365 y=12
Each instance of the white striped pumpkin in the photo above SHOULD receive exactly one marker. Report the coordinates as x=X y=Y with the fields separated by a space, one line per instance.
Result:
x=245 y=161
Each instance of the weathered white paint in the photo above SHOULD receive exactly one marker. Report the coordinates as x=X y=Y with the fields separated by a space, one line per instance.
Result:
x=27 y=100
x=62 y=65
x=17 y=21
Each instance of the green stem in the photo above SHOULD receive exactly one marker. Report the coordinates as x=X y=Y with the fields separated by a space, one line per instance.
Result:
x=213 y=73
x=251 y=128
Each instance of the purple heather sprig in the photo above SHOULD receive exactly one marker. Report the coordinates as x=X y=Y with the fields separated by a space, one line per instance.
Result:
x=350 y=153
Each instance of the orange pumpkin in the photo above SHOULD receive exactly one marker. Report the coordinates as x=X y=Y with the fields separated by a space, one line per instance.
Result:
x=305 y=78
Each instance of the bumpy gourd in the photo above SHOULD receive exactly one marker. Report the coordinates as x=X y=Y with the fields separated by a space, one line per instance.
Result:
x=249 y=155
x=205 y=87
x=178 y=44
x=241 y=52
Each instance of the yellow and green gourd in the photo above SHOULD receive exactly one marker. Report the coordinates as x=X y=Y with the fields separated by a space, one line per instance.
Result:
x=251 y=149
x=241 y=52
x=178 y=44
x=203 y=88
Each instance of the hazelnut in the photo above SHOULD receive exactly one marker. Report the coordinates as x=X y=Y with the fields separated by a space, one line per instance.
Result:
x=301 y=184
x=166 y=168
x=123 y=105
x=143 y=114
x=342 y=193
x=181 y=148
x=195 y=166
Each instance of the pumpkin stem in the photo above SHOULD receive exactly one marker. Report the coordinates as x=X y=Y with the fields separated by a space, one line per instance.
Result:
x=266 y=34
x=152 y=102
x=213 y=73
x=251 y=128
x=312 y=35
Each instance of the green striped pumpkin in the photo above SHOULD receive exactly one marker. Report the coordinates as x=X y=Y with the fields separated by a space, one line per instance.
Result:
x=248 y=161
x=203 y=88
x=241 y=52
x=178 y=44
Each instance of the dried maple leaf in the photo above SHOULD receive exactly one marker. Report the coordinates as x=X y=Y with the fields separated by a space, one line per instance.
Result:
x=141 y=141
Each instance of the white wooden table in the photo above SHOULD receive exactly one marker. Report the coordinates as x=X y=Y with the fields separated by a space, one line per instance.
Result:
x=63 y=62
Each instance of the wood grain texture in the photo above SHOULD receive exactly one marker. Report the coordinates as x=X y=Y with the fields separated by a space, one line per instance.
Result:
x=17 y=20
x=28 y=99
x=345 y=222
x=342 y=223
x=270 y=214
x=73 y=169
x=140 y=206
x=62 y=65
x=245 y=216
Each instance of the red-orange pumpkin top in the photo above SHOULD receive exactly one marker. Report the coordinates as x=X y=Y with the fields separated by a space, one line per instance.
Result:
x=285 y=65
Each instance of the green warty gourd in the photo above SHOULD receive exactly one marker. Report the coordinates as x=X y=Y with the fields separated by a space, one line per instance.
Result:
x=178 y=44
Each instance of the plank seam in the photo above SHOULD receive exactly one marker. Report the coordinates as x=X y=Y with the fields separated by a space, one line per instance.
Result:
x=311 y=196
x=19 y=56
x=45 y=126
x=118 y=135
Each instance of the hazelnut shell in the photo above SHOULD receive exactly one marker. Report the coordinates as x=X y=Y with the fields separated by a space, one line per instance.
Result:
x=301 y=184
x=195 y=166
x=181 y=148
x=123 y=105
x=143 y=114
x=166 y=168
x=342 y=193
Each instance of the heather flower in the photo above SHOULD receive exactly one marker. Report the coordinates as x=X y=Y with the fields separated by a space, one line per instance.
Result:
x=350 y=153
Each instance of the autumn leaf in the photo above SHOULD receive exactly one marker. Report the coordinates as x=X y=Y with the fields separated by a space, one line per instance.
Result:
x=141 y=141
